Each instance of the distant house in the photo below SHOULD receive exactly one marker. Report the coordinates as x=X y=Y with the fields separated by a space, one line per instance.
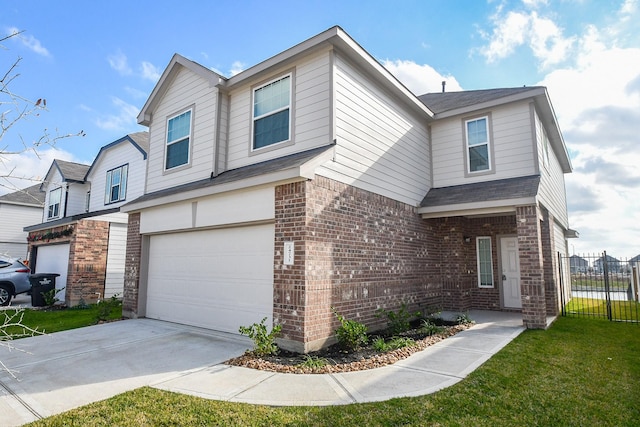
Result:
x=17 y=210
x=613 y=265
x=316 y=181
x=82 y=234
x=578 y=264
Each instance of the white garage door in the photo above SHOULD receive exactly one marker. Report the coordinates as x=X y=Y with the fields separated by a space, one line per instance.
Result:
x=216 y=279
x=54 y=259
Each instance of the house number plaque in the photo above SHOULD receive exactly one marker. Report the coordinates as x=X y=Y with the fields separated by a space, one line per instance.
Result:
x=289 y=253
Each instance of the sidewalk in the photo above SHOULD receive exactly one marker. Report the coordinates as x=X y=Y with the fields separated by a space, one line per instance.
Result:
x=425 y=372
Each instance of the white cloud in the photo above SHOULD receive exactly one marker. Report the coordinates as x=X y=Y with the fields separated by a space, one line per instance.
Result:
x=29 y=41
x=236 y=68
x=118 y=61
x=420 y=79
x=28 y=168
x=123 y=120
x=515 y=29
x=150 y=71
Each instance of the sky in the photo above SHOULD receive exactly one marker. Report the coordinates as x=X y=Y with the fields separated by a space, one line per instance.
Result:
x=95 y=64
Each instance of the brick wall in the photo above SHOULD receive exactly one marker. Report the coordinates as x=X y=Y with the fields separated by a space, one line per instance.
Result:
x=531 y=267
x=458 y=269
x=355 y=251
x=132 y=267
x=87 y=262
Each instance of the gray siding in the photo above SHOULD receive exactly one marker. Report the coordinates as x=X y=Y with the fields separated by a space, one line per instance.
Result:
x=187 y=90
x=513 y=147
x=381 y=146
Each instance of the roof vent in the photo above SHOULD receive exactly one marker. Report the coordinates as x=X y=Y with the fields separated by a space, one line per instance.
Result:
x=444 y=83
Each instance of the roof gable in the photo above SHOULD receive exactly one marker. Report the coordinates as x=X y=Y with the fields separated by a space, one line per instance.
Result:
x=69 y=172
x=177 y=63
x=139 y=140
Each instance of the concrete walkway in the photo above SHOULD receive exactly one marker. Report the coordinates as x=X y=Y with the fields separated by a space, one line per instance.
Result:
x=425 y=372
x=54 y=373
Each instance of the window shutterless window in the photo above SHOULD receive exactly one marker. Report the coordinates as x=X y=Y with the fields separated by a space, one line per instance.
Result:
x=272 y=113
x=485 y=263
x=53 y=207
x=116 y=186
x=478 y=150
x=178 y=140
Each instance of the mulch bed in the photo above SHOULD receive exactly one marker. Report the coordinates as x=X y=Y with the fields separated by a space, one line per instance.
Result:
x=340 y=360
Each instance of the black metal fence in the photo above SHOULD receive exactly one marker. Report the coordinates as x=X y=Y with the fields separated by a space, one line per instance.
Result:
x=600 y=286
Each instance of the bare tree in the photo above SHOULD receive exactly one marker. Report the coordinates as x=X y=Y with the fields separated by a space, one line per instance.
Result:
x=15 y=108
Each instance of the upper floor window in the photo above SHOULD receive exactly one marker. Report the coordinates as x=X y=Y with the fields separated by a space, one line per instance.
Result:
x=53 y=206
x=178 y=137
x=116 y=186
x=272 y=113
x=485 y=262
x=478 y=144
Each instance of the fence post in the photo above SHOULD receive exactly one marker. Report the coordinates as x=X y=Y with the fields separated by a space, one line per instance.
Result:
x=605 y=269
x=634 y=272
x=560 y=270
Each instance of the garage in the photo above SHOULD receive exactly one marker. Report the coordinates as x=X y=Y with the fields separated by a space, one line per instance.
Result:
x=54 y=259
x=218 y=279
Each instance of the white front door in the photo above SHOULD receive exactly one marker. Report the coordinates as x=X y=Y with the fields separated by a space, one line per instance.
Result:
x=511 y=296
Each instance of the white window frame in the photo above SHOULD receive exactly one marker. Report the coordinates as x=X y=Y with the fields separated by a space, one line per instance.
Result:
x=488 y=143
x=288 y=107
x=482 y=262
x=52 y=213
x=122 y=190
x=189 y=137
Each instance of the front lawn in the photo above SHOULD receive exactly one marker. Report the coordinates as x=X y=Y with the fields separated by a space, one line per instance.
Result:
x=580 y=372
x=56 y=319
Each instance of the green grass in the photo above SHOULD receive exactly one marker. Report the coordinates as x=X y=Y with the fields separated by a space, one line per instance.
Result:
x=581 y=372
x=620 y=310
x=55 y=320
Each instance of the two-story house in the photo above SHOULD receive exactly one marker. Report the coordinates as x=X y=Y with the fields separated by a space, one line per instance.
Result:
x=83 y=234
x=315 y=181
x=17 y=210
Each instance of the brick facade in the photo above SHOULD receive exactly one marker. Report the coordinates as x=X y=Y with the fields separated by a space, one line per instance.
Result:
x=130 y=297
x=356 y=252
x=88 y=244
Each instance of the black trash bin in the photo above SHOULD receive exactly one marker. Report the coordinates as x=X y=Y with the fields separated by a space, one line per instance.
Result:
x=41 y=283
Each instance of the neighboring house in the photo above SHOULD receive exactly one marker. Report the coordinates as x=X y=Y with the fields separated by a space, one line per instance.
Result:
x=17 y=210
x=578 y=264
x=316 y=181
x=83 y=234
x=613 y=265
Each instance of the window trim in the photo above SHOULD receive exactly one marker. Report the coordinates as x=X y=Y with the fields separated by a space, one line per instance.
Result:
x=49 y=205
x=466 y=146
x=167 y=143
x=289 y=141
x=108 y=187
x=478 y=262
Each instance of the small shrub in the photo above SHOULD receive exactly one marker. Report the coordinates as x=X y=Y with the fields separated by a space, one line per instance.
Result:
x=464 y=319
x=398 y=321
x=314 y=362
x=380 y=345
x=106 y=307
x=351 y=334
x=429 y=328
x=49 y=297
x=400 y=342
x=263 y=341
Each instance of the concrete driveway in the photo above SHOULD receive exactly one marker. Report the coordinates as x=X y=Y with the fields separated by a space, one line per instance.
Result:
x=53 y=373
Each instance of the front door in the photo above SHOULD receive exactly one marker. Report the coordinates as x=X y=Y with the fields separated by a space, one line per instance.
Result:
x=511 y=297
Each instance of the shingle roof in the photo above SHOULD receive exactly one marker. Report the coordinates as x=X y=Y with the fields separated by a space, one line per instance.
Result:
x=269 y=166
x=502 y=189
x=27 y=196
x=142 y=139
x=440 y=102
x=71 y=171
